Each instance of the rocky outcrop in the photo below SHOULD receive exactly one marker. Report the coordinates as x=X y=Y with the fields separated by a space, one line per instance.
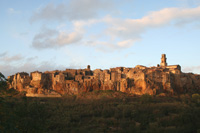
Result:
x=139 y=80
x=19 y=81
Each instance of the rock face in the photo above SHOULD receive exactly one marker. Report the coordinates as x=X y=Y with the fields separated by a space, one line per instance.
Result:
x=139 y=80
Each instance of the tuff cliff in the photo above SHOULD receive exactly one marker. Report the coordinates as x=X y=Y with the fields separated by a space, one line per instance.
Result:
x=139 y=80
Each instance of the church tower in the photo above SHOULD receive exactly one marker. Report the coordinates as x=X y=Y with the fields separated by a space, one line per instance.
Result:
x=163 y=60
x=88 y=67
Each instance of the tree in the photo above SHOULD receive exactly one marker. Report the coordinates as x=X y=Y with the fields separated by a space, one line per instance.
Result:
x=146 y=98
x=3 y=82
x=196 y=98
x=4 y=85
x=2 y=77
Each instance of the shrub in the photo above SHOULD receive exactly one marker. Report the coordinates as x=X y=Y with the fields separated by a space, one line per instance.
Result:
x=185 y=98
x=196 y=98
x=146 y=98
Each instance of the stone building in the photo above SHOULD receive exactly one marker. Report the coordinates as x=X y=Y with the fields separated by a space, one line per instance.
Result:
x=163 y=60
x=138 y=80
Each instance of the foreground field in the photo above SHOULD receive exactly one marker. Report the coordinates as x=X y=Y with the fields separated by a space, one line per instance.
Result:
x=101 y=111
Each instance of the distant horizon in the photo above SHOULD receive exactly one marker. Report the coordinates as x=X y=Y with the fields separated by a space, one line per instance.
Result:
x=55 y=35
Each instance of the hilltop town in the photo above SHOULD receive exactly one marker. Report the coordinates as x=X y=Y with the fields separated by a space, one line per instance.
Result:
x=139 y=80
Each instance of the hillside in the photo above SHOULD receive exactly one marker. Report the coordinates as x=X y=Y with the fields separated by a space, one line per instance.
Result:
x=98 y=111
x=105 y=114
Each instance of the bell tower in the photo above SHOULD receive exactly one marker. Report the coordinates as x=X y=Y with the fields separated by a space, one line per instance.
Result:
x=163 y=60
x=88 y=67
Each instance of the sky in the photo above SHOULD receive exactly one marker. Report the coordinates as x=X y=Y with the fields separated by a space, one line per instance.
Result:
x=58 y=34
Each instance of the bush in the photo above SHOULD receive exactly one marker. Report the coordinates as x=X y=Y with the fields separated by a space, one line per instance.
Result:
x=3 y=84
x=146 y=98
x=164 y=114
x=185 y=98
x=196 y=98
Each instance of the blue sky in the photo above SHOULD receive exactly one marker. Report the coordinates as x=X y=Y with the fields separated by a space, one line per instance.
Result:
x=59 y=34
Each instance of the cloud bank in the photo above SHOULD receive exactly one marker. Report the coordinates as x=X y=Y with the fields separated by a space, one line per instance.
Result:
x=134 y=28
x=10 y=65
x=48 y=38
x=7 y=59
x=74 y=10
x=191 y=68
x=119 y=33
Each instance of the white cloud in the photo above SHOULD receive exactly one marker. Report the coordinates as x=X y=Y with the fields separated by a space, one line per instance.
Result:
x=74 y=10
x=191 y=69
x=130 y=30
x=32 y=58
x=124 y=33
x=119 y=33
x=48 y=38
x=7 y=59
x=102 y=46
x=134 y=27
x=126 y=43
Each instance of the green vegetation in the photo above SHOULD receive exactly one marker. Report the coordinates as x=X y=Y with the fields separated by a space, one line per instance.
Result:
x=105 y=114
x=3 y=83
x=4 y=91
x=99 y=111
